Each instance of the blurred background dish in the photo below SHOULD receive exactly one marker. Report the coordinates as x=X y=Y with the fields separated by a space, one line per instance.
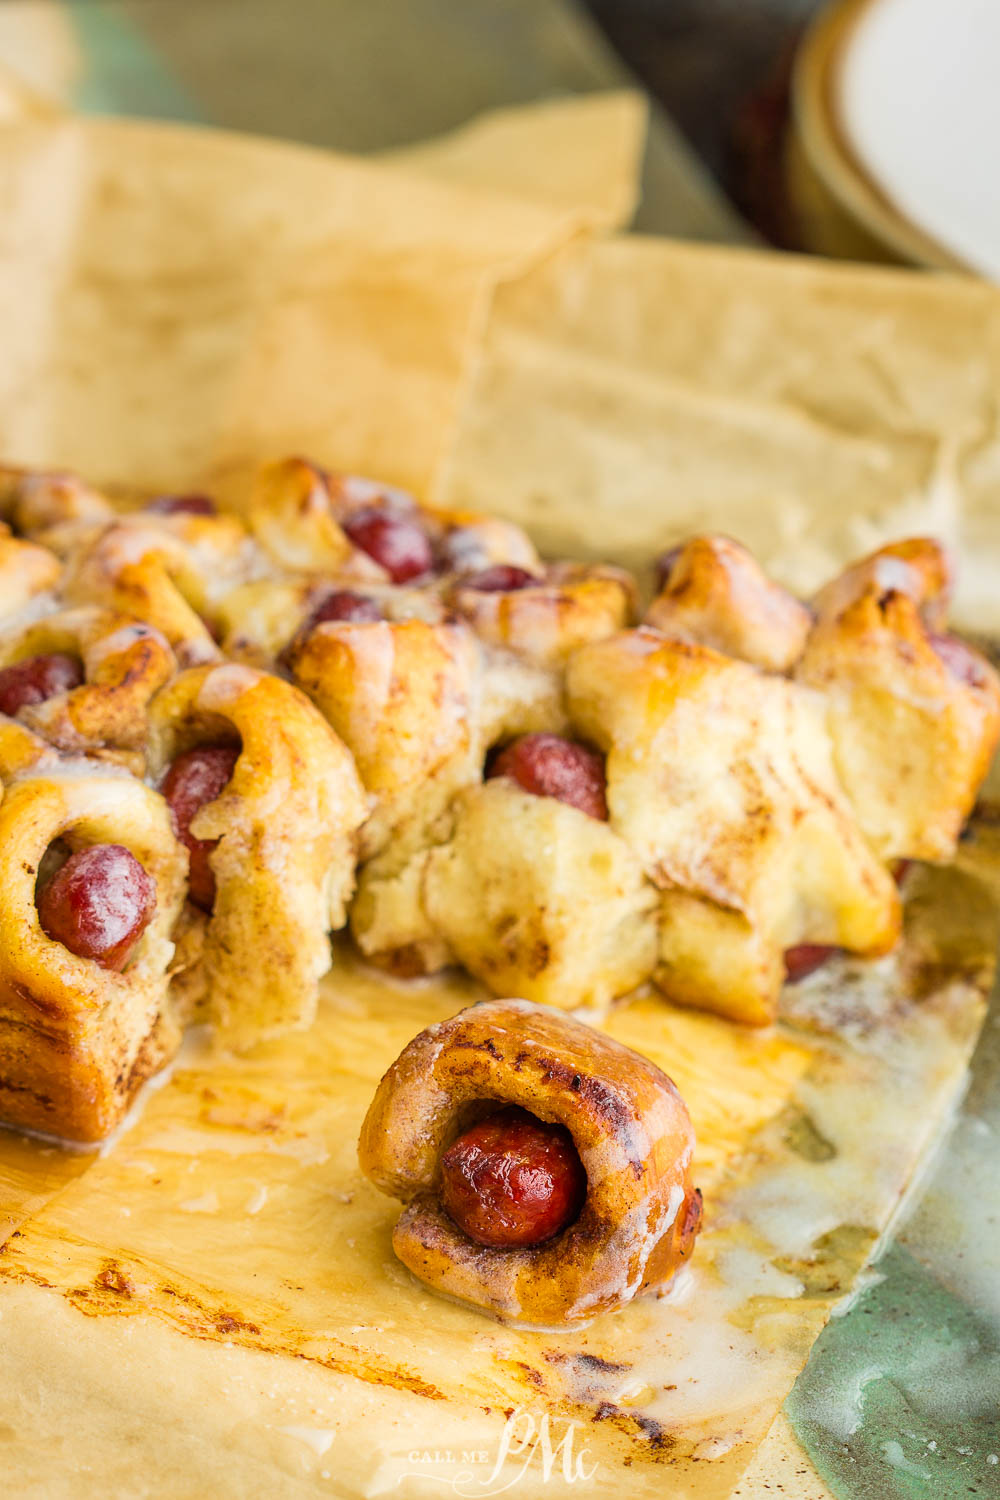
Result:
x=893 y=150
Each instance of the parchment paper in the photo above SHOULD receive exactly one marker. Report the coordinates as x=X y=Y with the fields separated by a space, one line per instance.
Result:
x=811 y=409
x=176 y=302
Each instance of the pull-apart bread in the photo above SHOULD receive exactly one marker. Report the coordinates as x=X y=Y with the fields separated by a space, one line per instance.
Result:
x=225 y=737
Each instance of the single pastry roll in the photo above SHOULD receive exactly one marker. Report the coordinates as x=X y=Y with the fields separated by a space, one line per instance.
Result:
x=312 y=521
x=524 y=891
x=418 y=703
x=536 y=896
x=292 y=519
x=560 y=1245
x=721 y=781
x=914 y=714
x=83 y=679
x=58 y=510
x=524 y=883
x=268 y=803
x=85 y=946
x=469 y=542
x=544 y=615
x=401 y=695
x=26 y=570
x=713 y=592
x=166 y=570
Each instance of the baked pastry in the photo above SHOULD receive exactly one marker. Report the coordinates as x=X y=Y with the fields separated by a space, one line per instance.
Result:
x=21 y=749
x=83 y=679
x=291 y=514
x=721 y=780
x=268 y=803
x=572 y=1200
x=914 y=712
x=166 y=567
x=534 y=896
x=92 y=882
x=348 y=691
x=919 y=567
x=401 y=695
x=544 y=615
x=309 y=520
x=265 y=621
x=713 y=592
x=523 y=882
x=26 y=570
x=55 y=510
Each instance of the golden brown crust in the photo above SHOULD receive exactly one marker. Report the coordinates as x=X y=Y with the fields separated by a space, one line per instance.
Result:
x=401 y=695
x=716 y=594
x=165 y=571
x=21 y=749
x=125 y=662
x=913 y=738
x=55 y=509
x=298 y=511
x=291 y=517
x=287 y=825
x=571 y=605
x=77 y=1039
x=628 y=1123
x=720 y=779
x=919 y=567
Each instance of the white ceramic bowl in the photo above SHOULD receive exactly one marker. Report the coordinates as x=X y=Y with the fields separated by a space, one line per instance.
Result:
x=896 y=114
x=917 y=96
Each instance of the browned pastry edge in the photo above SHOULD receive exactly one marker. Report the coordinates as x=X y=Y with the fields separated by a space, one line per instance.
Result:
x=628 y=1123
x=716 y=593
x=76 y=1039
x=76 y=1091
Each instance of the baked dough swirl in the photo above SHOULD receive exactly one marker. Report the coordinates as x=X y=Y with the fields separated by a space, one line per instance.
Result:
x=124 y=662
x=545 y=618
x=913 y=712
x=166 y=570
x=629 y=1125
x=286 y=827
x=76 y=1039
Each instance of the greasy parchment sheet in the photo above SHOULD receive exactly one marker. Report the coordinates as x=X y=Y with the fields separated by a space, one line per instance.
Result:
x=212 y=1303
